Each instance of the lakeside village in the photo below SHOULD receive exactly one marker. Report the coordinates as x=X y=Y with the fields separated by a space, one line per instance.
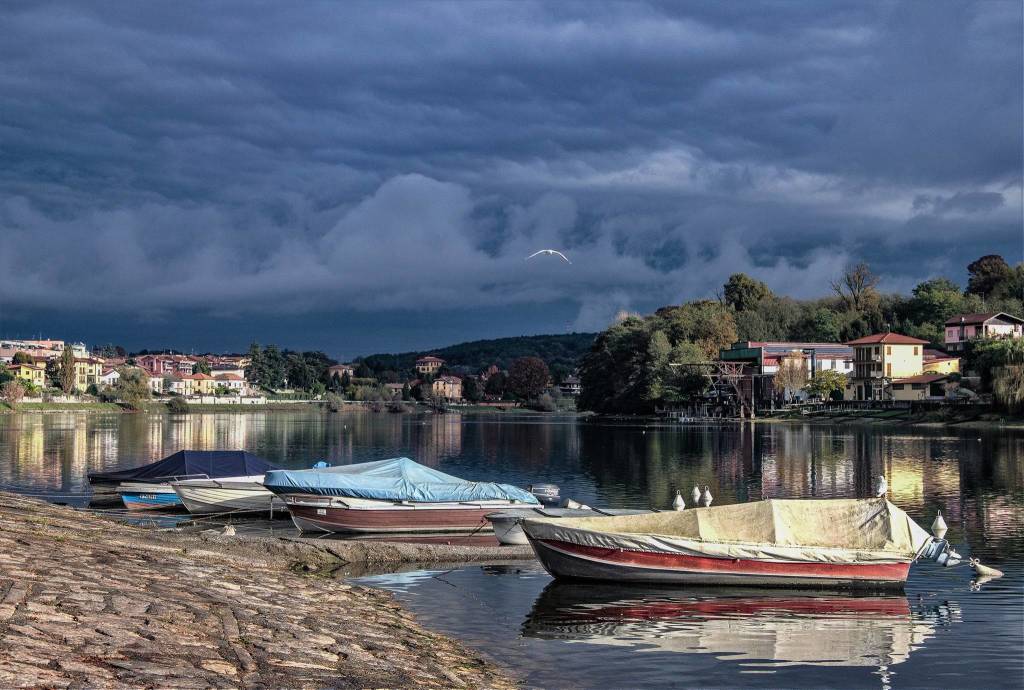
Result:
x=748 y=378
x=748 y=354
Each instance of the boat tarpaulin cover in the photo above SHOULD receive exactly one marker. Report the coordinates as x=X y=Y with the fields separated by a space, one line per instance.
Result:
x=825 y=531
x=190 y=463
x=397 y=479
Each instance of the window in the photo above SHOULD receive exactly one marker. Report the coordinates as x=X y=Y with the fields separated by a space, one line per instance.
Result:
x=888 y=370
x=917 y=386
x=888 y=350
x=898 y=386
x=915 y=350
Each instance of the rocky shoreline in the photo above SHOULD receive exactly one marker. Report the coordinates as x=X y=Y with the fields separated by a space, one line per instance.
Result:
x=87 y=602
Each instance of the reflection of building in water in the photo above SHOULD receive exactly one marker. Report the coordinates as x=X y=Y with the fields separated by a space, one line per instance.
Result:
x=438 y=438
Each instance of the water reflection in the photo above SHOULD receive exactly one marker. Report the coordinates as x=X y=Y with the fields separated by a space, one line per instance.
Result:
x=771 y=629
x=976 y=478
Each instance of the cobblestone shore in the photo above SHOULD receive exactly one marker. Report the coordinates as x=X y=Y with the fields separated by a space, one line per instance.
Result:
x=85 y=602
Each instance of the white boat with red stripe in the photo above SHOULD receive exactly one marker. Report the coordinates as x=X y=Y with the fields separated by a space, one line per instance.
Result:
x=849 y=543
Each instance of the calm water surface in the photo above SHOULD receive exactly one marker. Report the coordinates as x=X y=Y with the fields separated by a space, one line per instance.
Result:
x=944 y=631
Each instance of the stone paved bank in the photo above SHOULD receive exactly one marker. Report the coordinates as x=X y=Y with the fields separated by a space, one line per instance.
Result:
x=85 y=602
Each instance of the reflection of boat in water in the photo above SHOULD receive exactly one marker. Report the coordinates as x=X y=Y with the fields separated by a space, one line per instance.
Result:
x=780 y=627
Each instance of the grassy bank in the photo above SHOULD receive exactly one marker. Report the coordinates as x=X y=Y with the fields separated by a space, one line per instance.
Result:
x=62 y=407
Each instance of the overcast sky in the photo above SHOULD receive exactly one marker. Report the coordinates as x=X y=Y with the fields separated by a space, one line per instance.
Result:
x=366 y=177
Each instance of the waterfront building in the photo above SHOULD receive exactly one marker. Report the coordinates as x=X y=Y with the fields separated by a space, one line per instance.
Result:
x=203 y=384
x=429 y=365
x=921 y=387
x=231 y=381
x=964 y=328
x=762 y=359
x=570 y=386
x=447 y=387
x=33 y=373
x=109 y=376
x=879 y=359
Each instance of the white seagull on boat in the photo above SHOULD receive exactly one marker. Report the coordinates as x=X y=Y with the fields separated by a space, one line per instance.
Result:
x=550 y=252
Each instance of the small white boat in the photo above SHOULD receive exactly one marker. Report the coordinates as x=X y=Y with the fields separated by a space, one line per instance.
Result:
x=508 y=530
x=227 y=494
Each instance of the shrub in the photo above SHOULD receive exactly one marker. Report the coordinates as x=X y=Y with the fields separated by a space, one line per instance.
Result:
x=177 y=405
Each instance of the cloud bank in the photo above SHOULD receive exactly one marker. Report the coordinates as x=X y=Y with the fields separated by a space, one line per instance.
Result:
x=173 y=165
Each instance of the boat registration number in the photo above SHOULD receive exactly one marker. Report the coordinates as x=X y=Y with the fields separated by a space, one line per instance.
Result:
x=321 y=511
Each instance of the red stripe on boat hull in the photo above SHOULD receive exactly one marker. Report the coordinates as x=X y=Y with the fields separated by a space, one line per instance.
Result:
x=334 y=519
x=565 y=559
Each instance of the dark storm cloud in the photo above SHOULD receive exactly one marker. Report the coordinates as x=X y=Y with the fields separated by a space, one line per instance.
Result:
x=183 y=162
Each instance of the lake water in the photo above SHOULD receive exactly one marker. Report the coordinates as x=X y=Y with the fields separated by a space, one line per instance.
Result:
x=944 y=631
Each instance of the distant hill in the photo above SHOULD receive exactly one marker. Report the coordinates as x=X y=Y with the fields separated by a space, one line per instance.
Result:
x=562 y=353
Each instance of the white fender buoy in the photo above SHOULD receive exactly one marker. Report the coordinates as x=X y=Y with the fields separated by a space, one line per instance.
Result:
x=706 y=497
x=678 y=503
x=939 y=526
x=984 y=570
x=881 y=486
x=695 y=495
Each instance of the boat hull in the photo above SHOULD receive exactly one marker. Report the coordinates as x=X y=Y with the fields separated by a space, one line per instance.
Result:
x=575 y=561
x=217 y=497
x=399 y=519
x=153 y=497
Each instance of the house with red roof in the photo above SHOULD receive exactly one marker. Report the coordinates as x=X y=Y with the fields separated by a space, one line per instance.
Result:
x=429 y=364
x=881 y=358
x=964 y=328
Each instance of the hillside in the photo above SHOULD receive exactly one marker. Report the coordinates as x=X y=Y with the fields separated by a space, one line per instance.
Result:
x=561 y=352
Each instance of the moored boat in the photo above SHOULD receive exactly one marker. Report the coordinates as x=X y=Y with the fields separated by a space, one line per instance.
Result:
x=396 y=495
x=149 y=486
x=508 y=530
x=147 y=496
x=863 y=543
x=227 y=494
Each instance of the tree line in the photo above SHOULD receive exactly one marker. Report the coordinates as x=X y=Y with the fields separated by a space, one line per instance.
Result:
x=639 y=363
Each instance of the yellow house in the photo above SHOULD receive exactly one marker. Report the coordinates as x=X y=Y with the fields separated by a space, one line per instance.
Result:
x=204 y=384
x=88 y=371
x=447 y=387
x=920 y=387
x=34 y=373
x=879 y=359
x=429 y=364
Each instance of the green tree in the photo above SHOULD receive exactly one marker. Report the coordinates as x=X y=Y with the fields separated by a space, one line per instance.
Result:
x=987 y=275
x=471 y=389
x=5 y=374
x=132 y=388
x=657 y=368
x=496 y=385
x=709 y=325
x=528 y=377
x=177 y=405
x=53 y=373
x=67 y=371
x=21 y=358
x=743 y=292
x=202 y=367
x=826 y=384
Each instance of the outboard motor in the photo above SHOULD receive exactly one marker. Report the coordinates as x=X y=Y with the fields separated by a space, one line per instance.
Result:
x=547 y=494
x=942 y=552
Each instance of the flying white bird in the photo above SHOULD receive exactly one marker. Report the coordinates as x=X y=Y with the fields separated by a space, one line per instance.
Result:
x=550 y=252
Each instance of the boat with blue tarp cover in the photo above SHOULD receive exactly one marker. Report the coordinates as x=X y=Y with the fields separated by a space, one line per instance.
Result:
x=149 y=486
x=395 y=495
